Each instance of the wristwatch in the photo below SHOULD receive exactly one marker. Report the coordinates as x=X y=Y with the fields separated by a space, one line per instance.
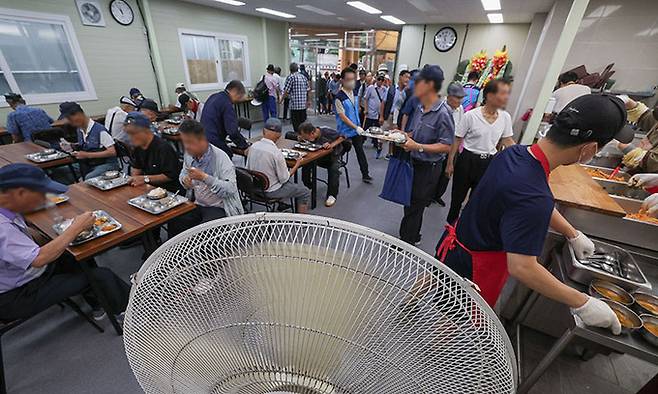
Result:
x=420 y=148
x=147 y=179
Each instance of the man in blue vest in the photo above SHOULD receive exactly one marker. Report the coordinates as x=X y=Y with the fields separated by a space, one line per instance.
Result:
x=95 y=147
x=347 y=119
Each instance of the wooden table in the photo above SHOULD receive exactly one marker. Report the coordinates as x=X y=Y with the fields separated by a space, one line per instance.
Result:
x=309 y=161
x=572 y=186
x=83 y=197
x=5 y=137
x=15 y=153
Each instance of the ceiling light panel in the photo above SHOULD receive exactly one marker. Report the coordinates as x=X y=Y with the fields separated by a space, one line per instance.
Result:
x=491 y=5
x=495 y=18
x=280 y=14
x=364 y=7
x=316 y=10
x=231 y=2
x=392 y=19
x=326 y=34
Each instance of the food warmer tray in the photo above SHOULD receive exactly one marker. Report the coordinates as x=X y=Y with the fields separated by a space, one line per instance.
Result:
x=625 y=272
x=159 y=206
x=102 y=183
x=46 y=156
x=103 y=220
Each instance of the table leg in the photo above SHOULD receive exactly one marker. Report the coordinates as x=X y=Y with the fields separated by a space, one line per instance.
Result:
x=72 y=170
x=246 y=110
x=101 y=297
x=314 y=185
x=560 y=344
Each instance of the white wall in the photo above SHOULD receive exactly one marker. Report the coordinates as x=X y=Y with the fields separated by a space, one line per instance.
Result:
x=620 y=32
x=490 y=37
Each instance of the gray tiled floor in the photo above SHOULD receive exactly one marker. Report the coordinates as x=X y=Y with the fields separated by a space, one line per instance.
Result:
x=56 y=353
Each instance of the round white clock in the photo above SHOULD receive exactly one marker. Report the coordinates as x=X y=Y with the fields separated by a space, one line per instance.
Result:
x=445 y=39
x=121 y=12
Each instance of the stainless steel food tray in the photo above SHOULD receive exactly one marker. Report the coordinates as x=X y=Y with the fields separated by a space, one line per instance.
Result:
x=108 y=184
x=157 y=207
x=43 y=157
x=626 y=274
x=96 y=231
x=395 y=137
x=170 y=131
x=290 y=154
x=308 y=146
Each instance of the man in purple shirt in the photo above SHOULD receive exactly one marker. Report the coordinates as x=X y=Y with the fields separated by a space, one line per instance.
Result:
x=33 y=277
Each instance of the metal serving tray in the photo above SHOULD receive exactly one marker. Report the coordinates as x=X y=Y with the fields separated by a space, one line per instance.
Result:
x=622 y=189
x=101 y=183
x=170 y=131
x=46 y=155
x=290 y=154
x=311 y=147
x=606 y=160
x=624 y=272
x=157 y=207
x=96 y=231
x=395 y=137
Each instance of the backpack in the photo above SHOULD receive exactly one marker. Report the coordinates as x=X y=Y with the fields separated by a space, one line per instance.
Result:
x=261 y=91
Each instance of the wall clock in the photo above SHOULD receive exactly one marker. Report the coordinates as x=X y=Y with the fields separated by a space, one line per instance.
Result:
x=445 y=39
x=90 y=13
x=122 y=12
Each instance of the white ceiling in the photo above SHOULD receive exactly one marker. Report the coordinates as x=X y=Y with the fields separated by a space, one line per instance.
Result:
x=410 y=11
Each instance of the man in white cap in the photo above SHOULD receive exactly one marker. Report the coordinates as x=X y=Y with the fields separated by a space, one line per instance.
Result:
x=186 y=102
x=116 y=116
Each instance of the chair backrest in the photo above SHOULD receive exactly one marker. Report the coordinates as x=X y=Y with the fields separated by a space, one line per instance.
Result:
x=261 y=181
x=244 y=123
x=251 y=183
x=124 y=152
x=50 y=135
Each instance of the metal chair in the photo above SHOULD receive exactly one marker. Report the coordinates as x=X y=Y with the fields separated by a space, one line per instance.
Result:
x=344 y=159
x=252 y=186
x=7 y=326
x=244 y=124
x=124 y=154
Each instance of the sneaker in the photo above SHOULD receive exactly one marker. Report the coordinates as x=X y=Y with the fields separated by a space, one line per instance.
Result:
x=367 y=179
x=378 y=154
x=420 y=238
x=98 y=314
x=331 y=200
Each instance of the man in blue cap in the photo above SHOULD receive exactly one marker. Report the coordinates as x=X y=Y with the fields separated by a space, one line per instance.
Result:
x=432 y=130
x=33 y=277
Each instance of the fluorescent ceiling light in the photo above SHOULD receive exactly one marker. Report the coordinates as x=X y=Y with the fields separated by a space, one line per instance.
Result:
x=231 y=2
x=326 y=34
x=315 y=9
x=364 y=7
x=275 y=13
x=299 y=35
x=495 y=18
x=393 y=19
x=491 y=5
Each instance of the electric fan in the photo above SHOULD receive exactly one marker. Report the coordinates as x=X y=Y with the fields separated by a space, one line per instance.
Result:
x=285 y=303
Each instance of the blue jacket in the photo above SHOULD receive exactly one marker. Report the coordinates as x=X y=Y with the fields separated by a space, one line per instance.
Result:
x=26 y=120
x=219 y=121
x=352 y=113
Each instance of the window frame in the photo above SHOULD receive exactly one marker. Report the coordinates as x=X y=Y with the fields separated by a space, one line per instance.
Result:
x=87 y=94
x=221 y=82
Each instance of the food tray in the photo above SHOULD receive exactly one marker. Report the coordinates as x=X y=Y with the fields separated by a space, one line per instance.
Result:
x=391 y=136
x=174 y=120
x=157 y=207
x=290 y=154
x=625 y=273
x=103 y=219
x=108 y=184
x=308 y=146
x=56 y=199
x=170 y=131
x=46 y=155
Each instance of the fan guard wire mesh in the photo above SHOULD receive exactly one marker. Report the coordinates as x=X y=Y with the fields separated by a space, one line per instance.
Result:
x=287 y=303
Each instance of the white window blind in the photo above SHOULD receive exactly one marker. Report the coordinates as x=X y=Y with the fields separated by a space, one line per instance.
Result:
x=40 y=58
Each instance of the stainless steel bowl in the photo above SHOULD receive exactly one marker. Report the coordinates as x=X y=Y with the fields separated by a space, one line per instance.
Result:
x=111 y=175
x=651 y=337
x=610 y=291
x=629 y=320
x=642 y=297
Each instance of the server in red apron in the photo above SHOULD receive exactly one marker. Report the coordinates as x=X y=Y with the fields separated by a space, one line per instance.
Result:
x=502 y=229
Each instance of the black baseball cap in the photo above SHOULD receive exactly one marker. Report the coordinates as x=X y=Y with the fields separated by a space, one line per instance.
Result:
x=431 y=73
x=69 y=108
x=30 y=177
x=13 y=97
x=149 y=104
x=594 y=117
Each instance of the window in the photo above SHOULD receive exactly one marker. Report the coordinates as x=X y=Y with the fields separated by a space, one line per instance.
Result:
x=40 y=58
x=211 y=60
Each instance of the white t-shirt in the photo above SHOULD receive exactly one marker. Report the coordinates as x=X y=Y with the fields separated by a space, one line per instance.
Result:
x=566 y=94
x=114 y=119
x=480 y=136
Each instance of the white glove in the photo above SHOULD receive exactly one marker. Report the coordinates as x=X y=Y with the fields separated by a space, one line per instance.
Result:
x=359 y=130
x=624 y=98
x=582 y=246
x=650 y=205
x=643 y=180
x=598 y=314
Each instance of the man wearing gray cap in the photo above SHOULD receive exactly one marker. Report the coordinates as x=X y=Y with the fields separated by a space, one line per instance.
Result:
x=264 y=156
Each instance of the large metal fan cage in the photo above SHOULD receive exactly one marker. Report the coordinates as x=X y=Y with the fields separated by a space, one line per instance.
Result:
x=285 y=303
